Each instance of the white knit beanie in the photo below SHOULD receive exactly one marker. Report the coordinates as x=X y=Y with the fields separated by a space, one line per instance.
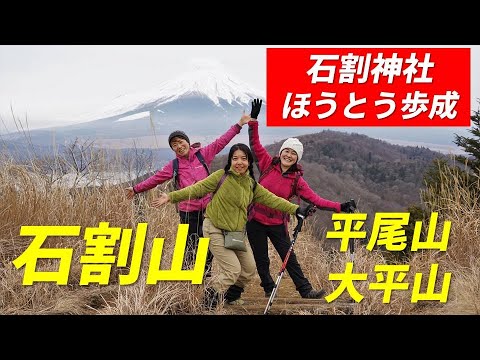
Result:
x=295 y=144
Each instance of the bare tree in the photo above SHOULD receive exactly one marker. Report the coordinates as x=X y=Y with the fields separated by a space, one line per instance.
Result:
x=82 y=160
x=137 y=162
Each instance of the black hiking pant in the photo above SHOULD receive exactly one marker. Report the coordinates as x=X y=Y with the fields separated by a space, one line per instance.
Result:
x=278 y=235
x=195 y=231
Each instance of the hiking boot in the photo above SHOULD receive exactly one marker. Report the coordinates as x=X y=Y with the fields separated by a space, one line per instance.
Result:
x=314 y=294
x=233 y=294
x=236 y=302
x=268 y=293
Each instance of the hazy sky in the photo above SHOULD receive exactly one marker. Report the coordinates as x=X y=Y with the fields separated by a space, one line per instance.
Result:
x=50 y=85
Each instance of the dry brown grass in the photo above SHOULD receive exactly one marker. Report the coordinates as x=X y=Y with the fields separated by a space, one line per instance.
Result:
x=28 y=199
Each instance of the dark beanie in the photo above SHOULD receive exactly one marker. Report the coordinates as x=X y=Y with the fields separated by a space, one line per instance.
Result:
x=179 y=134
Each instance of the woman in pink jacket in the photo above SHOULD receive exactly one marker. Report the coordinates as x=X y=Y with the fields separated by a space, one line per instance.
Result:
x=282 y=175
x=190 y=171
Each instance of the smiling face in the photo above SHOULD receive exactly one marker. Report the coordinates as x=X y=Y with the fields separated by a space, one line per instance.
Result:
x=288 y=157
x=180 y=146
x=240 y=162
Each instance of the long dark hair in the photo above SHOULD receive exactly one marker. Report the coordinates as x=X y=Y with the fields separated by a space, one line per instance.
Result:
x=246 y=150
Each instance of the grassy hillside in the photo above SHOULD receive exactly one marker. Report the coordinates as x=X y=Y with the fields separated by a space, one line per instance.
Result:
x=380 y=176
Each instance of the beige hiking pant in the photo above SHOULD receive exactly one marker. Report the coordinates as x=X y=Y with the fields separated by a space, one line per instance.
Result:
x=236 y=267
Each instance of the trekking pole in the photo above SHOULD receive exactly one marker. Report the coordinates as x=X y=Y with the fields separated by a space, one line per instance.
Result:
x=310 y=210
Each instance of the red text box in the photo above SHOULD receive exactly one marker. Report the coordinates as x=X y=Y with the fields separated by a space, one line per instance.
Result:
x=368 y=87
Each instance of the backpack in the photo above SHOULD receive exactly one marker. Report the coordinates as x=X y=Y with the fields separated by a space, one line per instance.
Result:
x=175 y=165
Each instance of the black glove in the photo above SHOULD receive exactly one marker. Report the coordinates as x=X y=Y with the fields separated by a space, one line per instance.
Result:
x=256 y=106
x=303 y=212
x=349 y=206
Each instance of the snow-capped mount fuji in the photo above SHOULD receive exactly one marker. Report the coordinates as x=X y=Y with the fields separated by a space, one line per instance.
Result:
x=204 y=101
x=205 y=79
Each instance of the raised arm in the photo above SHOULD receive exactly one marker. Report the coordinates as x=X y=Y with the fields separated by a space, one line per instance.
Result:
x=262 y=155
x=209 y=151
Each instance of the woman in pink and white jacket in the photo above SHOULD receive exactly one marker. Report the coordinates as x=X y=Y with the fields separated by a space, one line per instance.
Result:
x=282 y=175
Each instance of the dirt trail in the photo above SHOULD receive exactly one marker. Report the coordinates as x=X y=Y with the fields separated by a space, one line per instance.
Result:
x=286 y=302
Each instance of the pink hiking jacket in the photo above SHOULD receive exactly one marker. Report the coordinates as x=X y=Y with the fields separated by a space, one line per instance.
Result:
x=281 y=184
x=190 y=171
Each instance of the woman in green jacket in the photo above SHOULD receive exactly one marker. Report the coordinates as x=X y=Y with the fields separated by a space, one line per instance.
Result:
x=227 y=211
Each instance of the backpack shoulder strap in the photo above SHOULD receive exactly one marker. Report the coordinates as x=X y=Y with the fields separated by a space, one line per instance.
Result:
x=175 y=173
x=294 y=186
x=202 y=160
x=274 y=162
x=222 y=179
x=175 y=168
